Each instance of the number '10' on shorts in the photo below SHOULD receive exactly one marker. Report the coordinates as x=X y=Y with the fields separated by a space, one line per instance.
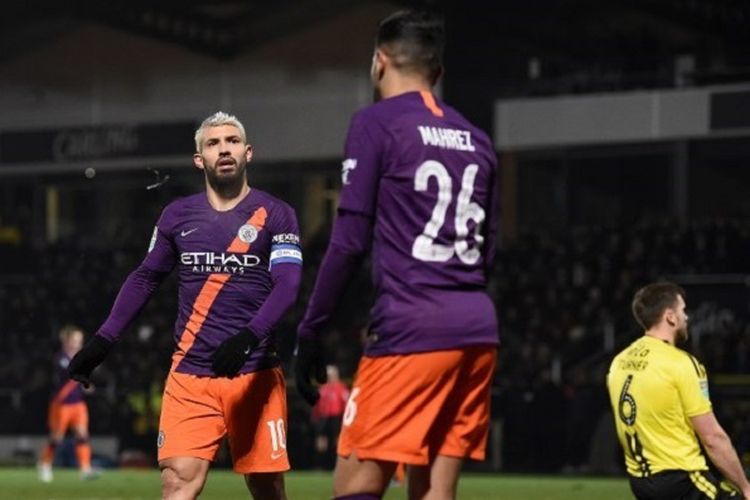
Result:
x=250 y=409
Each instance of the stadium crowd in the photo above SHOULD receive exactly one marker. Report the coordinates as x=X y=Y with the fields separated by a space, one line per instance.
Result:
x=563 y=302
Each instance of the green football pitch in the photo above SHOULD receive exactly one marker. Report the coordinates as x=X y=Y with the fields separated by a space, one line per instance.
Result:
x=22 y=484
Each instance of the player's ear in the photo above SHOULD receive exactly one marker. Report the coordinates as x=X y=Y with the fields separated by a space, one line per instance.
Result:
x=198 y=161
x=670 y=317
x=379 y=59
x=249 y=153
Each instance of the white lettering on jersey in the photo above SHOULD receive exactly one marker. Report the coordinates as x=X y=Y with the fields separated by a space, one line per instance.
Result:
x=446 y=138
x=210 y=262
x=290 y=238
x=219 y=259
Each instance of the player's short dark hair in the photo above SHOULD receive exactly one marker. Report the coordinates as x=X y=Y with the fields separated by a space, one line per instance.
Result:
x=650 y=302
x=415 y=40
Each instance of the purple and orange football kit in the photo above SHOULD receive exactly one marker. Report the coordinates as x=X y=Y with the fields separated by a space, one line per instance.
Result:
x=67 y=410
x=419 y=191
x=237 y=269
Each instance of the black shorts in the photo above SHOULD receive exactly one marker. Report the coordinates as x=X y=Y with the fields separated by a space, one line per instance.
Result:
x=681 y=485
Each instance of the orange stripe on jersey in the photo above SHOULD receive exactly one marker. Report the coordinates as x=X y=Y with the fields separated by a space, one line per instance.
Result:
x=65 y=391
x=210 y=291
x=429 y=101
x=202 y=305
x=258 y=220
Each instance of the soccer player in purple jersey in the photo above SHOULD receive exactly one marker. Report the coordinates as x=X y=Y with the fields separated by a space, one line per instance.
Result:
x=419 y=189
x=239 y=262
x=67 y=409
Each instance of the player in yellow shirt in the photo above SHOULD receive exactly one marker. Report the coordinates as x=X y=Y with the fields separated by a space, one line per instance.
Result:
x=659 y=395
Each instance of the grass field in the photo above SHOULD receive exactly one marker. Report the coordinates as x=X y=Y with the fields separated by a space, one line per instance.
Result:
x=22 y=484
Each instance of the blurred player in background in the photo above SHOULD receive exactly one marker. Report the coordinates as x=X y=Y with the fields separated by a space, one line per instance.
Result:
x=419 y=187
x=659 y=395
x=238 y=259
x=326 y=416
x=67 y=409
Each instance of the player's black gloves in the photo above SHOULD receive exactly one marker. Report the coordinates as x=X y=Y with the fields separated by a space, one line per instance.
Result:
x=88 y=358
x=310 y=362
x=233 y=352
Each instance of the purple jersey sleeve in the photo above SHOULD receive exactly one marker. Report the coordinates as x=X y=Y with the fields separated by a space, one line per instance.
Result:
x=352 y=231
x=361 y=169
x=141 y=284
x=350 y=240
x=286 y=272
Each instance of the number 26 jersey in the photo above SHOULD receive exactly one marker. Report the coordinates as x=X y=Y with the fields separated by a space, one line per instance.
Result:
x=426 y=178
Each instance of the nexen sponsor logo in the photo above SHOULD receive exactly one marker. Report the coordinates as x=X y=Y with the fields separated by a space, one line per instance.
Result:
x=210 y=262
x=286 y=238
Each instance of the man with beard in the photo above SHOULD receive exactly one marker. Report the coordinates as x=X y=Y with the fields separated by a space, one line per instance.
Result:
x=419 y=188
x=659 y=396
x=237 y=253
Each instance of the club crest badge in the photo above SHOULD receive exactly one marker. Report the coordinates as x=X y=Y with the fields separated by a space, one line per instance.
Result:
x=248 y=233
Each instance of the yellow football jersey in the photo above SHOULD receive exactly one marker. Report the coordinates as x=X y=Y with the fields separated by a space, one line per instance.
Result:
x=655 y=388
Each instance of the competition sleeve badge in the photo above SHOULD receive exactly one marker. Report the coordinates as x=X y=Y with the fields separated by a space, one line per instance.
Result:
x=160 y=439
x=704 y=389
x=346 y=167
x=247 y=233
x=153 y=239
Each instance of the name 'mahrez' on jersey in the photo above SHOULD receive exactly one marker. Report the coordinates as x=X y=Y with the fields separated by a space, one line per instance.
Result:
x=446 y=138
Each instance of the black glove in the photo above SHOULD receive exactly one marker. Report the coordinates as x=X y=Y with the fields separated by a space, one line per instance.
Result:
x=233 y=352
x=310 y=362
x=88 y=358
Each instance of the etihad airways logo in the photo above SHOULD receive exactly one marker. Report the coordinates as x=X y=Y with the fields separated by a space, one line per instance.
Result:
x=225 y=263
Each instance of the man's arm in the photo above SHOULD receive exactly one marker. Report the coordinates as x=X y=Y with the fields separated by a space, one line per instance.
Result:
x=231 y=355
x=350 y=241
x=141 y=284
x=285 y=261
x=352 y=230
x=719 y=448
x=135 y=292
x=286 y=280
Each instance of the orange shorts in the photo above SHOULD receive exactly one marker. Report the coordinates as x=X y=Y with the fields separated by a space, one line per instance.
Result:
x=62 y=417
x=250 y=409
x=410 y=408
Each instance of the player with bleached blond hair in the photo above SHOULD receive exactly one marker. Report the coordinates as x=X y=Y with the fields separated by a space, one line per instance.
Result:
x=237 y=253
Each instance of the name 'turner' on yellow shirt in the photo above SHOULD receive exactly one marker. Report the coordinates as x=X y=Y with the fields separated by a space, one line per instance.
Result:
x=654 y=388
